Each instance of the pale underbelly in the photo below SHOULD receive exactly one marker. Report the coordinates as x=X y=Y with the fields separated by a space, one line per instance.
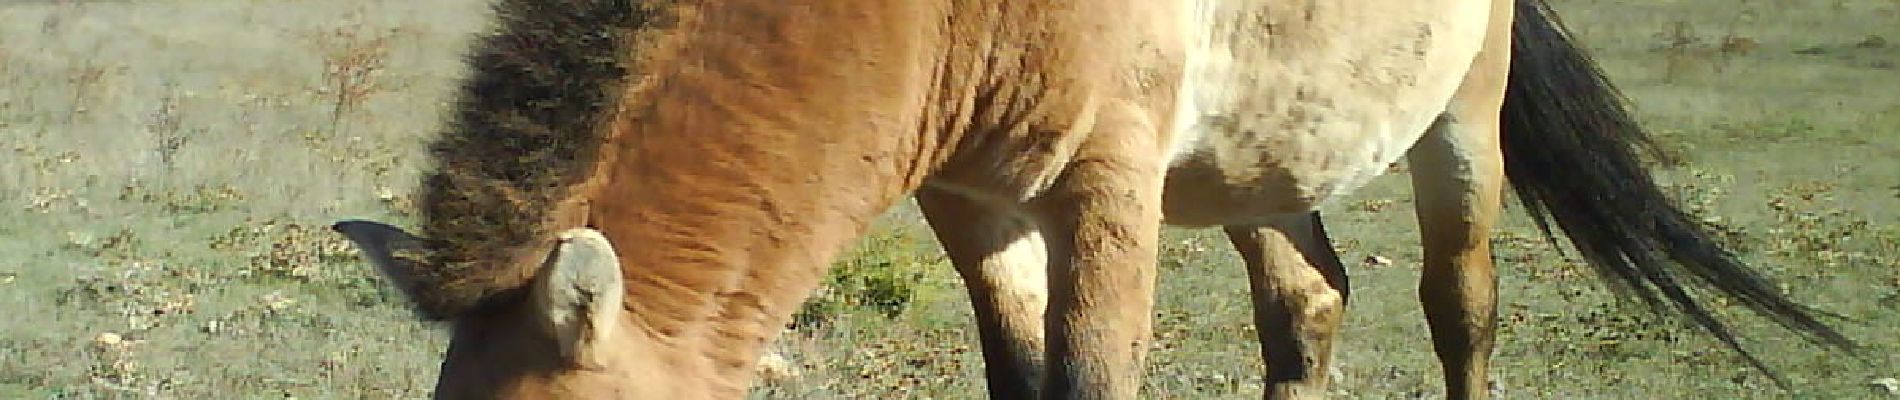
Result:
x=1236 y=178
x=1281 y=114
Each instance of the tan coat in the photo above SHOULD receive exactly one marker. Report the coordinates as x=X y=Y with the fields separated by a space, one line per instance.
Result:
x=633 y=198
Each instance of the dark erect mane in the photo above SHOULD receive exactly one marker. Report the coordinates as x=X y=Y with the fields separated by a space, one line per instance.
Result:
x=525 y=130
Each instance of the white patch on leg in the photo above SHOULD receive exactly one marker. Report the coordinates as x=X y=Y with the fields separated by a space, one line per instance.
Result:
x=1019 y=272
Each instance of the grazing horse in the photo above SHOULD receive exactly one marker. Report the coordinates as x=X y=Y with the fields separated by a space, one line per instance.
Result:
x=633 y=196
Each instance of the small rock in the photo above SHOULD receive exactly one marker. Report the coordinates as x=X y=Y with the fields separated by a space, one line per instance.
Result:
x=108 y=339
x=112 y=341
x=774 y=367
x=1377 y=261
x=1890 y=386
x=80 y=239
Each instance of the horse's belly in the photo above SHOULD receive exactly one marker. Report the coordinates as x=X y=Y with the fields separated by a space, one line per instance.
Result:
x=1225 y=186
x=1286 y=111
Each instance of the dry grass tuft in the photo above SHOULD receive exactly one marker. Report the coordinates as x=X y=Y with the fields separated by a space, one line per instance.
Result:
x=353 y=60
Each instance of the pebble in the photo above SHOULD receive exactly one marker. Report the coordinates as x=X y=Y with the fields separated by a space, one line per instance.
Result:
x=773 y=367
x=108 y=339
x=1377 y=261
x=1890 y=386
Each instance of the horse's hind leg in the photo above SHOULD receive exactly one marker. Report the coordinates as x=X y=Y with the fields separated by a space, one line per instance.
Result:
x=1457 y=183
x=1458 y=178
x=1004 y=264
x=1299 y=296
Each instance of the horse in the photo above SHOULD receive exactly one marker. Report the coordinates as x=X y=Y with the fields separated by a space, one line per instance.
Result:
x=631 y=197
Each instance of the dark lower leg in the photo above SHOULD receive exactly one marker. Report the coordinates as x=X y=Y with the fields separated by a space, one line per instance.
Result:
x=1002 y=261
x=1299 y=295
x=1460 y=300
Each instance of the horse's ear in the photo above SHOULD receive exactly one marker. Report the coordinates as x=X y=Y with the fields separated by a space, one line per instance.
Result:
x=579 y=292
x=380 y=243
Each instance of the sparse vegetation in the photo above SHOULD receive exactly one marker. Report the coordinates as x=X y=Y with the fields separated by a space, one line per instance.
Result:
x=882 y=276
x=353 y=59
x=167 y=168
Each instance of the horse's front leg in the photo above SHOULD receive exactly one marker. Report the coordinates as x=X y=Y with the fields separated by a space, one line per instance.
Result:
x=1102 y=224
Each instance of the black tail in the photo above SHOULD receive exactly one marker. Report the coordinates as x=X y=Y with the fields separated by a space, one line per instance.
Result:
x=1571 y=152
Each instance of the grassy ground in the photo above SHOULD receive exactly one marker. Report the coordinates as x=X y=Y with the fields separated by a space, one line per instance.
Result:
x=167 y=167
